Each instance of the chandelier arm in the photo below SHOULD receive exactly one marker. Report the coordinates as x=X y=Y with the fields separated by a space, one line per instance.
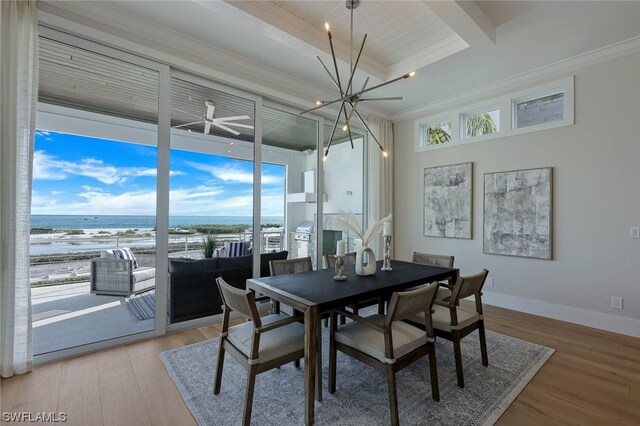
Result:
x=333 y=132
x=393 y=98
x=355 y=66
x=355 y=104
x=346 y=97
x=369 y=130
x=349 y=129
x=336 y=83
x=335 y=63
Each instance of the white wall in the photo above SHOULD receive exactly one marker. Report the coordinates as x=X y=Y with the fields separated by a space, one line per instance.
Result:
x=595 y=201
x=342 y=173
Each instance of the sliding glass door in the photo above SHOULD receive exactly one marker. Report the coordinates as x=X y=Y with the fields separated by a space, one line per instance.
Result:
x=93 y=234
x=211 y=194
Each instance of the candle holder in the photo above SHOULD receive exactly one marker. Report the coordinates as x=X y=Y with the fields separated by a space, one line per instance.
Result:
x=386 y=264
x=339 y=268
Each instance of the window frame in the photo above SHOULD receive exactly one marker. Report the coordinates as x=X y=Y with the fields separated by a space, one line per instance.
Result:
x=505 y=104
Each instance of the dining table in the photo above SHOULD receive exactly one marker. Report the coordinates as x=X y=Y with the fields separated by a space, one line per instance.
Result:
x=316 y=292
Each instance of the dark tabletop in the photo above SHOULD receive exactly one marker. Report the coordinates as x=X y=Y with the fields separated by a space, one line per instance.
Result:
x=319 y=287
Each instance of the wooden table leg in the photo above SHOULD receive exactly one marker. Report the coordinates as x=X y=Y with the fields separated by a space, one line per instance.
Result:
x=319 y=363
x=311 y=323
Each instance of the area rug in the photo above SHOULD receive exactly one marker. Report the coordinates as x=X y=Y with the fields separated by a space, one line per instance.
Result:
x=143 y=305
x=361 y=398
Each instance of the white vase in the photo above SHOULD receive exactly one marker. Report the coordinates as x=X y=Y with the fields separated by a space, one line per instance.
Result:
x=368 y=268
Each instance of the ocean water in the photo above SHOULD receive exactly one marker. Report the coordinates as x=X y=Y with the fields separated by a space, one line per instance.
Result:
x=132 y=222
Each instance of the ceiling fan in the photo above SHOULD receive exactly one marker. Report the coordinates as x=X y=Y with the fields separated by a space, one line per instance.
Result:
x=222 y=122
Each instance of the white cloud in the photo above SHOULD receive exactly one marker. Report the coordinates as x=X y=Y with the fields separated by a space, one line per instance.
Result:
x=233 y=174
x=48 y=167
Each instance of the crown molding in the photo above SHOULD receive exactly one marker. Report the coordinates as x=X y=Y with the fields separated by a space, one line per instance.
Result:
x=101 y=23
x=553 y=70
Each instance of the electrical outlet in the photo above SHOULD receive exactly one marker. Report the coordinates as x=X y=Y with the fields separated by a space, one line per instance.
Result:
x=634 y=232
x=490 y=281
x=616 y=302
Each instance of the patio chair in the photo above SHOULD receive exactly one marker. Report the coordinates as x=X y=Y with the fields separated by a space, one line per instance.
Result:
x=116 y=273
x=387 y=343
x=260 y=345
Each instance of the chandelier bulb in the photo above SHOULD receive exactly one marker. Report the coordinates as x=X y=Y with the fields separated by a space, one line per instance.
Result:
x=412 y=73
x=318 y=102
x=326 y=26
x=384 y=153
x=345 y=127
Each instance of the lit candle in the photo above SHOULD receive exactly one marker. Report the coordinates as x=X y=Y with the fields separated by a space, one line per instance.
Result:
x=386 y=228
x=341 y=248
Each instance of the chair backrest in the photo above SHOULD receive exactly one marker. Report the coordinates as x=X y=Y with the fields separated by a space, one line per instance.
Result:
x=469 y=286
x=407 y=304
x=242 y=301
x=433 y=259
x=330 y=259
x=290 y=266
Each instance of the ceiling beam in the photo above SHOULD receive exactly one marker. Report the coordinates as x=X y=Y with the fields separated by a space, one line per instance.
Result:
x=466 y=19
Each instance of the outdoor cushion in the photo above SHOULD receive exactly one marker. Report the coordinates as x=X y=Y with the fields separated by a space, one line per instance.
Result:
x=143 y=274
x=406 y=338
x=273 y=344
x=235 y=262
x=107 y=254
x=126 y=253
x=192 y=265
x=236 y=248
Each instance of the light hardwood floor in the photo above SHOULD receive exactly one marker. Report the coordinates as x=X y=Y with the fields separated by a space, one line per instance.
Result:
x=593 y=378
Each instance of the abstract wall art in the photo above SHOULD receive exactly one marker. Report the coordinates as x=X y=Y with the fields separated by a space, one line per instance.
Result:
x=447 y=201
x=517 y=213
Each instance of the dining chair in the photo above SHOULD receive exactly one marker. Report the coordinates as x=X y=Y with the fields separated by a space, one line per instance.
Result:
x=259 y=345
x=350 y=260
x=444 y=291
x=453 y=322
x=387 y=343
x=285 y=267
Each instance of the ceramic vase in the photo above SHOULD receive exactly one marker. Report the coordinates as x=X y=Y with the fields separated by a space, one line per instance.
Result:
x=365 y=254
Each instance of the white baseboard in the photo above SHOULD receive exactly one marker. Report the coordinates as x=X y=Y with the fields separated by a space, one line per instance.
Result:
x=599 y=320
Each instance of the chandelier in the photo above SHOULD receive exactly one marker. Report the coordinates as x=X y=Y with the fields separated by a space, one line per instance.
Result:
x=349 y=99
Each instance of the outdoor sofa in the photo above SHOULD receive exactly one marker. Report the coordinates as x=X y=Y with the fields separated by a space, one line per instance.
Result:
x=193 y=292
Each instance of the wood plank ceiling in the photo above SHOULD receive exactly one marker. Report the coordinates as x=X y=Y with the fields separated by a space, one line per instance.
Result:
x=88 y=81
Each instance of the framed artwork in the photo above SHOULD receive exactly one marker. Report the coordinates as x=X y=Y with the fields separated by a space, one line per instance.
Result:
x=517 y=213
x=447 y=201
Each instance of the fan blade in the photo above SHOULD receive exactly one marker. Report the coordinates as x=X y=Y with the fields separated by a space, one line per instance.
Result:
x=210 y=110
x=187 y=124
x=237 y=117
x=207 y=127
x=244 y=126
x=188 y=113
x=228 y=129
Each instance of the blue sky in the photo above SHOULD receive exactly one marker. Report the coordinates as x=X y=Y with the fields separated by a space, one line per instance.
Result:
x=89 y=176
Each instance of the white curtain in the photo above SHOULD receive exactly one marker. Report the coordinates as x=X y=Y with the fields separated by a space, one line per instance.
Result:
x=380 y=176
x=18 y=97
